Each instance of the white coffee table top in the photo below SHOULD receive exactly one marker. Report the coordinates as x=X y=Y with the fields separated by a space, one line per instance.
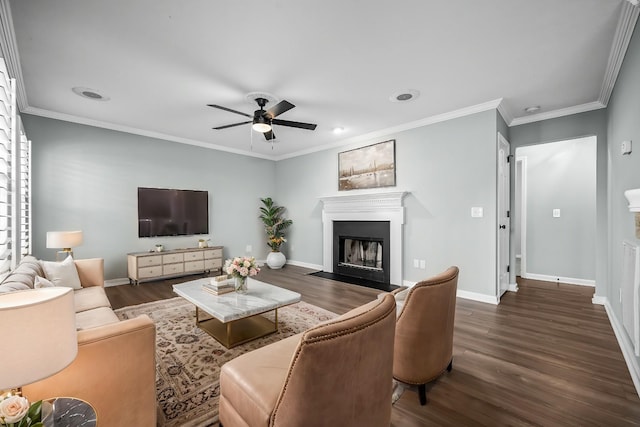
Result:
x=260 y=298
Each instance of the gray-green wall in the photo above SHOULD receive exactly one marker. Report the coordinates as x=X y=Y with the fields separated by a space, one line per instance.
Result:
x=623 y=115
x=86 y=178
x=561 y=175
x=447 y=168
x=592 y=123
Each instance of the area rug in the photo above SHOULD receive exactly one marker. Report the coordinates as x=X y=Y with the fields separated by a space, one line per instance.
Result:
x=189 y=361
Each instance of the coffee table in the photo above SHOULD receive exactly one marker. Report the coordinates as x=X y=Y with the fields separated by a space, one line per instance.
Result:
x=232 y=318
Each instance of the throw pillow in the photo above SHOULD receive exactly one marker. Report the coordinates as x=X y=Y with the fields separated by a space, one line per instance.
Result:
x=41 y=282
x=62 y=273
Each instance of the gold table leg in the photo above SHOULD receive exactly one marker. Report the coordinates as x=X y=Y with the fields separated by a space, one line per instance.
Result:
x=236 y=332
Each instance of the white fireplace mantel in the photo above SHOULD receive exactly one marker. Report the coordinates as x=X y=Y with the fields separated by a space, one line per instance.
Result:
x=385 y=206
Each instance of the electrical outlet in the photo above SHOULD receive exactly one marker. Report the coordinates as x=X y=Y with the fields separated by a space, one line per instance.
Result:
x=620 y=294
x=248 y=249
x=423 y=264
x=416 y=263
x=556 y=213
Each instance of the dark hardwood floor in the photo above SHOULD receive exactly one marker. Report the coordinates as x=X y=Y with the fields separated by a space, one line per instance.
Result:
x=545 y=356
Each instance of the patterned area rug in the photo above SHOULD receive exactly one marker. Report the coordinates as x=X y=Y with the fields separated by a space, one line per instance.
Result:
x=189 y=360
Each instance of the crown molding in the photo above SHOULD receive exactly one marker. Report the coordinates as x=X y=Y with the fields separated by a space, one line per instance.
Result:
x=121 y=128
x=624 y=31
x=505 y=112
x=10 y=53
x=576 y=109
x=467 y=111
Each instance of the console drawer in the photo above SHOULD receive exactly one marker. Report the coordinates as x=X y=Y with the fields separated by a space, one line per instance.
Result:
x=172 y=258
x=194 y=265
x=146 y=261
x=172 y=268
x=148 y=272
x=211 y=264
x=192 y=256
x=213 y=253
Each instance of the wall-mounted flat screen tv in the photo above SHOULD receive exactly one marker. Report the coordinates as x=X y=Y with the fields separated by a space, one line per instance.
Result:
x=167 y=212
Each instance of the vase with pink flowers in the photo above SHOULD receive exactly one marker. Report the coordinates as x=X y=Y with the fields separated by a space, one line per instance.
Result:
x=240 y=268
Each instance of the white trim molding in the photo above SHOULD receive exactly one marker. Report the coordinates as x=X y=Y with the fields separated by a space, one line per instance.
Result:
x=474 y=296
x=379 y=206
x=559 y=279
x=624 y=31
x=625 y=344
x=308 y=265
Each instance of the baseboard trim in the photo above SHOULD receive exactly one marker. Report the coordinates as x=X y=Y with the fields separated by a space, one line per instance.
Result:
x=116 y=282
x=489 y=299
x=625 y=345
x=561 y=279
x=319 y=267
x=598 y=300
x=513 y=287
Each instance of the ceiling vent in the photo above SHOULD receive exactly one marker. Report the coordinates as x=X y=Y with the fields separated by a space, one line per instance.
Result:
x=88 y=93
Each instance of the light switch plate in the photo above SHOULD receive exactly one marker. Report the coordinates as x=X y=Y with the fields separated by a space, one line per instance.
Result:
x=477 y=212
x=556 y=213
x=625 y=147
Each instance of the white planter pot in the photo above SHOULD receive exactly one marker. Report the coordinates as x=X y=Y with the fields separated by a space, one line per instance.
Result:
x=276 y=260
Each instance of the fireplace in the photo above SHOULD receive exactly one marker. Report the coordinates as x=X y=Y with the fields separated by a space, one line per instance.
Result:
x=368 y=210
x=361 y=249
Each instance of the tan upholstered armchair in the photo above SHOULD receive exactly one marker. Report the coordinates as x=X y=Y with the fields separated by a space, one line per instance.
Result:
x=335 y=374
x=424 y=331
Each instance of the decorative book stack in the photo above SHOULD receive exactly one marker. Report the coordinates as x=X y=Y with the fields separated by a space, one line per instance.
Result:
x=220 y=285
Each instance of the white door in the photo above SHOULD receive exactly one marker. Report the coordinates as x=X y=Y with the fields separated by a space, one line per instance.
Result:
x=504 y=223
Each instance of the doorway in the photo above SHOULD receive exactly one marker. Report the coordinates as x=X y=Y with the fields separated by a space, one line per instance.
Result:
x=555 y=211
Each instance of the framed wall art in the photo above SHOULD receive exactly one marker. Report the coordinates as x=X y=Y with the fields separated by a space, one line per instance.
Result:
x=372 y=166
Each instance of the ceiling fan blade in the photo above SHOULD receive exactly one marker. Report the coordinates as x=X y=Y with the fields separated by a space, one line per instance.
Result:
x=269 y=135
x=229 y=110
x=289 y=123
x=232 y=125
x=278 y=109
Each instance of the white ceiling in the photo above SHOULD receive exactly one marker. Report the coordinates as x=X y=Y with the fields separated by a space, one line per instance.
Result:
x=338 y=61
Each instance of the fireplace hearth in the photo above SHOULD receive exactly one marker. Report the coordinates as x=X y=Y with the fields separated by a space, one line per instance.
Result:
x=361 y=249
x=372 y=208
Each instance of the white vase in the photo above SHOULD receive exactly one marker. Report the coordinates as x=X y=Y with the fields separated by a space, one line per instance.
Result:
x=275 y=260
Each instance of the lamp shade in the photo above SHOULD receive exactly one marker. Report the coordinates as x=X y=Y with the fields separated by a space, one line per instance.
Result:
x=64 y=239
x=39 y=335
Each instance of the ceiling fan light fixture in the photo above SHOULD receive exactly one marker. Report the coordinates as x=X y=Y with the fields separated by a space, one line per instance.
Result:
x=261 y=125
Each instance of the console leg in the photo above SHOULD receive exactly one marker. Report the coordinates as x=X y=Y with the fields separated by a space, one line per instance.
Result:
x=422 y=394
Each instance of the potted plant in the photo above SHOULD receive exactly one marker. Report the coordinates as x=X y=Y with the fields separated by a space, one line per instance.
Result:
x=274 y=225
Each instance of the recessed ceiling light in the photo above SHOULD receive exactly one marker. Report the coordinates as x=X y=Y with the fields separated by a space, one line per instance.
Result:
x=88 y=93
x=404 y=95
x=338 y=130
x=532 y=109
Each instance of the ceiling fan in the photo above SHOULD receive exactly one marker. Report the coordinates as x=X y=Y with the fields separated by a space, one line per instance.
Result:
x=263 y=120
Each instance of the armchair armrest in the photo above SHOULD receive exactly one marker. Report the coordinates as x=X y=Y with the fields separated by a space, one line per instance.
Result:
x=90 y=271
x=114 y=371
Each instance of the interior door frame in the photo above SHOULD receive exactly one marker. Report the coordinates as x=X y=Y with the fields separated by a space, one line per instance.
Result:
x=500 y=219
x=522 y=212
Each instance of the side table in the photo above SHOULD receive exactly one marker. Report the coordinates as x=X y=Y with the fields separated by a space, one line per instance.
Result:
x=68 y=412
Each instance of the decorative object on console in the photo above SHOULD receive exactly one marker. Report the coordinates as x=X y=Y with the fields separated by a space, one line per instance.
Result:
x=240 y=268
x=372 y=166
x=274 y=225
x=43 y=341
x=66 y=240
x=202 y=243
x=159 y=248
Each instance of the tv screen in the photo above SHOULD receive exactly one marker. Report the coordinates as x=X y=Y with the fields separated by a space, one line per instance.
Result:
x=166 y=212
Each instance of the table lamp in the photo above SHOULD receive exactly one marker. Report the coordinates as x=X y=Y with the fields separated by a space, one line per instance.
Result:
x=39 y=335
x=64 y=240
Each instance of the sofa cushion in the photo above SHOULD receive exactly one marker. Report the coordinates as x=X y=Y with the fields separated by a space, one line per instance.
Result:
x=23 y=276
x=94 y=318
x=62 y=273
x=41 y=282
x=90 y=298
